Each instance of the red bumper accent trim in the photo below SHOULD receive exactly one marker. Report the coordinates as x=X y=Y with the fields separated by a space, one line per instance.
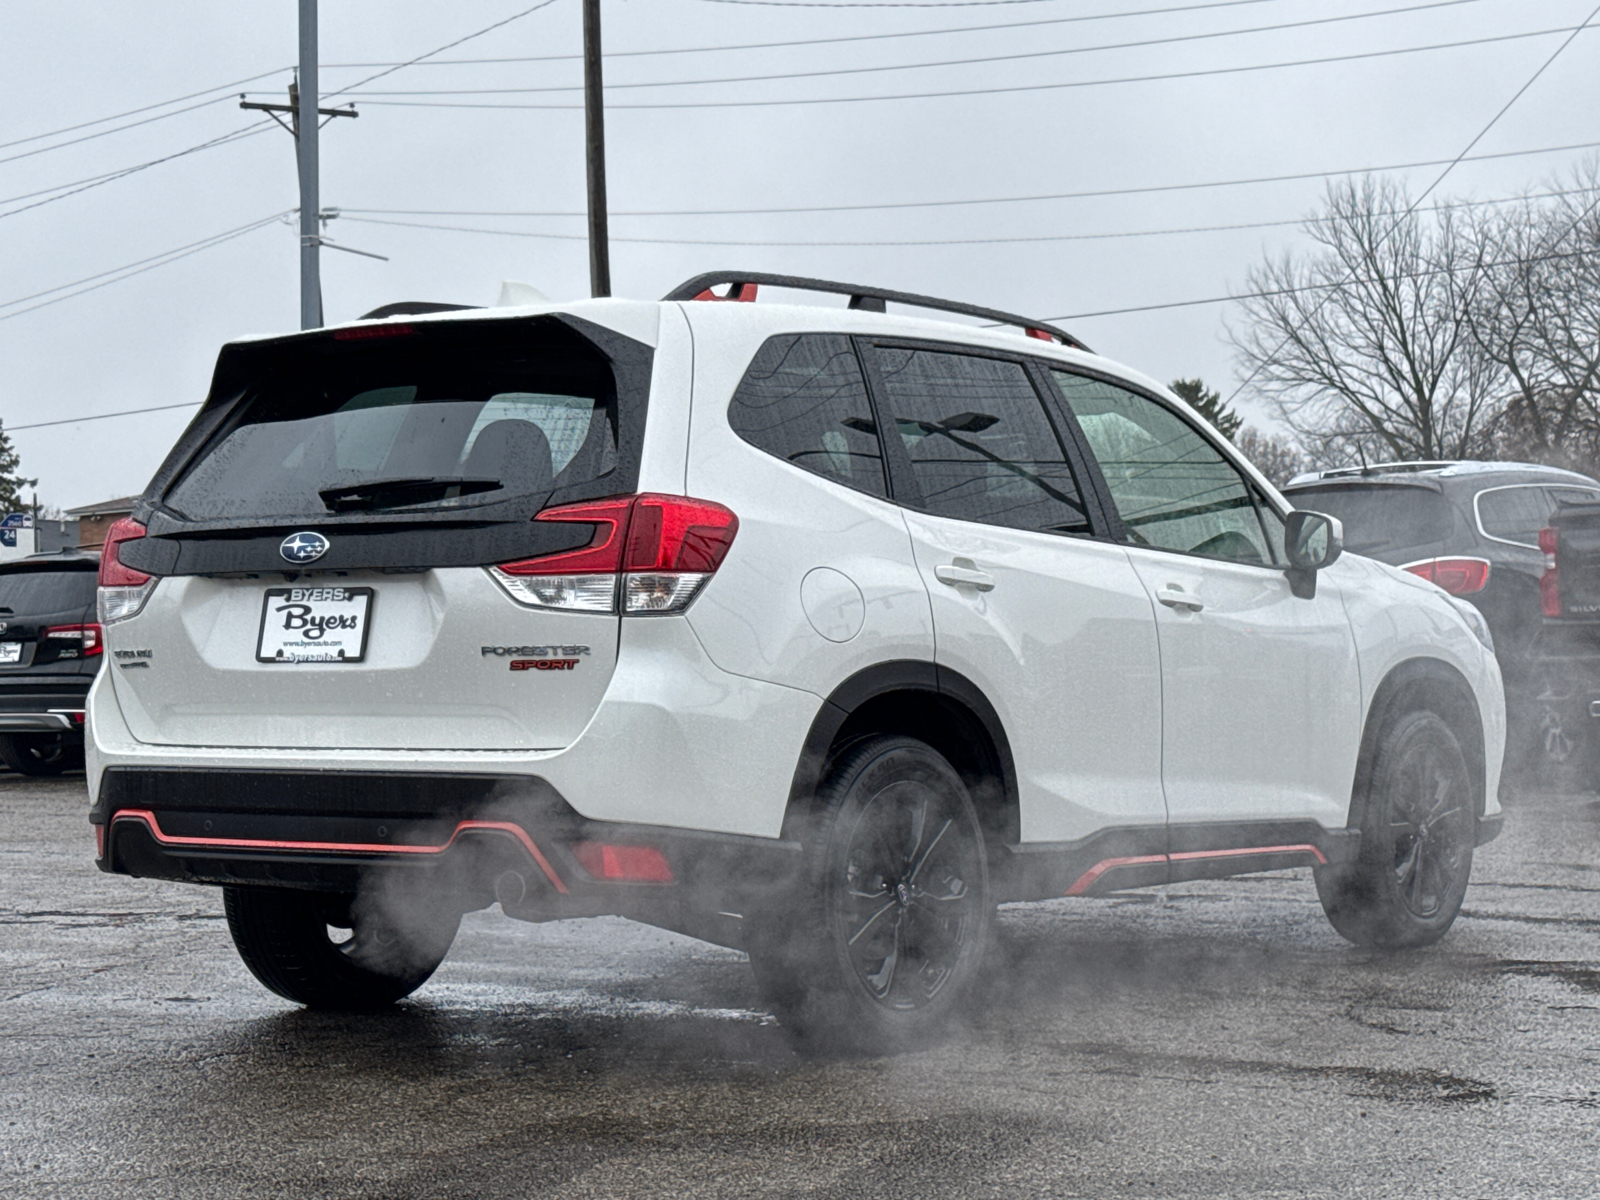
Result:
x=506 y=828
x=1088 y=879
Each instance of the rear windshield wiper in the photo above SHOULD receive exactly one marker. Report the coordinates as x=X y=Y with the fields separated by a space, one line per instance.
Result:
x=398 y=493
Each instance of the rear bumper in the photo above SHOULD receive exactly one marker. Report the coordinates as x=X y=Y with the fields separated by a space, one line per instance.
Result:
x=476 y=838
x=55 y=707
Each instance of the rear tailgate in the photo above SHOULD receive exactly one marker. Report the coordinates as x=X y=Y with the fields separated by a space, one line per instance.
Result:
x=322 y=541
x=1578 y=560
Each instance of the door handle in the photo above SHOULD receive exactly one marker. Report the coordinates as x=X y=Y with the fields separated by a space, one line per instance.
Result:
x=964 y=574
x=1175 y=597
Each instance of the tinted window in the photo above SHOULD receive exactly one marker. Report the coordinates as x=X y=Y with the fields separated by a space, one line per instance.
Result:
x=1515 y=514
x=44 y=593
x=1380 y=516
x=803 y=400
x=1173 y=488
x=980 y=444
x=440 y=418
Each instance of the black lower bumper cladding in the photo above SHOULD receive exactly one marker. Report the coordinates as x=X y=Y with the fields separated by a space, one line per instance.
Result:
x=481 y=838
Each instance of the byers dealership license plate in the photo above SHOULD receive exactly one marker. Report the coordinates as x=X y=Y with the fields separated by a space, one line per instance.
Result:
x=314 y=625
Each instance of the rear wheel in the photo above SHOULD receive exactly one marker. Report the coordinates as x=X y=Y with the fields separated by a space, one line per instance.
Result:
x=1417 y=837
x=330 y=951
x=39 y=753
x=882 y=933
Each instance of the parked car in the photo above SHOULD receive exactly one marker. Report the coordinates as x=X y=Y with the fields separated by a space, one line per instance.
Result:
x=1473 y=529
x=50 y=651
x=815 y=631
x=1567 y=650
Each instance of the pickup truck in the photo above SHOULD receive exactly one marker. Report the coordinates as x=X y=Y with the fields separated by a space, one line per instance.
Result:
x=1567 y=650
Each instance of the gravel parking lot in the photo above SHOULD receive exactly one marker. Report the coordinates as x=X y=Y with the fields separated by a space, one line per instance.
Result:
x=1215 y=1039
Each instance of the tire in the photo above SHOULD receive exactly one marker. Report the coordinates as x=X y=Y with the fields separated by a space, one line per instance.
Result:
x=38 y=753
x=1417 y=836
x=284 y=938
x=879 y=939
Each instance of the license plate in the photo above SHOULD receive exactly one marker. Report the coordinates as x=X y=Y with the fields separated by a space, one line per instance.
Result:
x=314 y=625
x=10 y=652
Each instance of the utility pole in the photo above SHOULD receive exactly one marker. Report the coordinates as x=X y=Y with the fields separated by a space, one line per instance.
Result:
x=594 y=122
x=303 y=111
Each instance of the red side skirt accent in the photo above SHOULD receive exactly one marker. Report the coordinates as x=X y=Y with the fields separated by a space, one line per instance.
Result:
x=506 y=828
x=1087 y=879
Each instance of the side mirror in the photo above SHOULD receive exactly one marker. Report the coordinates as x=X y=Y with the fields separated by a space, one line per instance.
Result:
x=1312 y=541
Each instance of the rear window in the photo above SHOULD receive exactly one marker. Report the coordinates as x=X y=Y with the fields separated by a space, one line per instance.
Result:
x=43 y=593
x=448 y=416
x=1381 y=516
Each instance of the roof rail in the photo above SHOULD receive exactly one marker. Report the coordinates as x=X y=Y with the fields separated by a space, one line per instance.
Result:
x=411 y=308
x=1389 y=468
x=743 y=284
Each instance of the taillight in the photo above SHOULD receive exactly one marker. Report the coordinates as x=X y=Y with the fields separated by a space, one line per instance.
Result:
x=87 y=637
x=1550 y=581
x=1458 y=576
x=123 y=590
x=657 y=551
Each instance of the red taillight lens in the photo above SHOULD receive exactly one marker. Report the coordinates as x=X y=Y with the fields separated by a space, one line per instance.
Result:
x=671 y=533
x=112 y=572
x=1550 y=581
x=663 y=548
x=88 y=637
x=1458 y=576
x=622 y=864
x=360 y=333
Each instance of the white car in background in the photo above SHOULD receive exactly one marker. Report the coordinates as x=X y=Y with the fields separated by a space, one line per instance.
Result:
x=815 y=631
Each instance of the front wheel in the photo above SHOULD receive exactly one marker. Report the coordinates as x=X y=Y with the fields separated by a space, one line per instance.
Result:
x=1406 y=886
x=331 y=951
x=882 y=933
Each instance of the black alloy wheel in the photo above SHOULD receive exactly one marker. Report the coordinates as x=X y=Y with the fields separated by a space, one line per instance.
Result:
x=882 y=934
x=1406 y=886
x=337 y=952
x=39 y=753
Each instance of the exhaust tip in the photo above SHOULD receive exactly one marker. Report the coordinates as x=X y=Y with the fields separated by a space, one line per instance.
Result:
x=510 y=889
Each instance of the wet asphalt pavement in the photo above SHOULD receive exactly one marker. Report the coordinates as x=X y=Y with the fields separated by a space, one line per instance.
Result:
x=1218 y=1039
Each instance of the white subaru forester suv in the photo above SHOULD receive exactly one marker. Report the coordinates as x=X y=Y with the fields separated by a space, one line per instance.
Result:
x=813 y=631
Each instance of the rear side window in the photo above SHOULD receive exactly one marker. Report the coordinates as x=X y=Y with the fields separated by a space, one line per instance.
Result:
x=1380 y=516
x=43 y=593
x=1516 y=514
x=803 y=400
x=445 y=417
x=1173 y=489
x=980 y=444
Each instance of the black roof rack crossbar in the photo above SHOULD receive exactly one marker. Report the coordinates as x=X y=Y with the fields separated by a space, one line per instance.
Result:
x=866 y=299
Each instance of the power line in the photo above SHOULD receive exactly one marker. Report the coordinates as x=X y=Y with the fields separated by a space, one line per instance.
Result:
x=111 y=176
x=1175 y=39
x=132 y=112
x=89 y=137
x=829 y=41
x=990 y=241
x=129 y=412
x=1098 y=193
x=1011 y=89
x=122 y=273
x=203 y=242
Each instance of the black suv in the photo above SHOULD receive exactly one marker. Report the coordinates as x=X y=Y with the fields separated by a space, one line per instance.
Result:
x=1473 y=529
x=50 y=649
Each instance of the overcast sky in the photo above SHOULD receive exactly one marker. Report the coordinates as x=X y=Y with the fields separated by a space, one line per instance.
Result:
x=151 y=339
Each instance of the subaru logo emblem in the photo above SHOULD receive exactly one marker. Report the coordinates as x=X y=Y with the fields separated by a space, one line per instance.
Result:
x=303 y=547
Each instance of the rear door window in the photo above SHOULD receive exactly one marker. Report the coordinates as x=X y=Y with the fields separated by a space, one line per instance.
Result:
x=438 y=419
x=1173 y=489
x=1380 y=517
x=980 y=443
x=803 y=400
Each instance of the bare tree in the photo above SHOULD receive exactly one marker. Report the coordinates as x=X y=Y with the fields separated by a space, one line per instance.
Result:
x=1360 y=343
x=1277 y=458
x=1535 y=321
